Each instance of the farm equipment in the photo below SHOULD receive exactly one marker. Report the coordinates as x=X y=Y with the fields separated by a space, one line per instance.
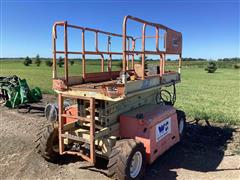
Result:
x=15 y=92
x=125 y=116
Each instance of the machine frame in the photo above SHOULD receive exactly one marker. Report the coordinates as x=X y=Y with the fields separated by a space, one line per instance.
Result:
x=101 y=100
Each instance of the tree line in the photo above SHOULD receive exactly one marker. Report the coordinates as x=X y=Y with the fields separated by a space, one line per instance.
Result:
x=194 y=61
x=60 y=61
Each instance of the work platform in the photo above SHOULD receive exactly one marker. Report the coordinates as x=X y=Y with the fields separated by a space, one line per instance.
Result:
x=113 y=90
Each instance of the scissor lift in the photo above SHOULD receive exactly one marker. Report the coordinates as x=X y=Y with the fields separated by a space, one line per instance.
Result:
x=91 y=125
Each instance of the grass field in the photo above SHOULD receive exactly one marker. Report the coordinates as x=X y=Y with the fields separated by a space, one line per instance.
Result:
x=201 y=95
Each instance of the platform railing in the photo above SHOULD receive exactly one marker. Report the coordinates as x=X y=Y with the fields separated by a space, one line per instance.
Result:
x=171 y=46
x=84 y=52
x=162 y=54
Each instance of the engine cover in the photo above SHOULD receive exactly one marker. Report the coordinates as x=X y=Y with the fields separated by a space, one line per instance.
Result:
x=154 y=125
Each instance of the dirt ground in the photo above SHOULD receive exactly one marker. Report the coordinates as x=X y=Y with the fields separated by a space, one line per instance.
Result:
x=205 y=152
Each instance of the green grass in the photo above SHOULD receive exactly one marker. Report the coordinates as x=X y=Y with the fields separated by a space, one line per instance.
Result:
x=210 y=96
x=201 y=95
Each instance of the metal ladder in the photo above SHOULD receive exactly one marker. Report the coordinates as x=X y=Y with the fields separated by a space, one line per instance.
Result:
x=91 y=120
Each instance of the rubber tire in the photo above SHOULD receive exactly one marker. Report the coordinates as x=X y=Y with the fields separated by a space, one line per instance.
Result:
x=181 y=116
x=47 y=137
x=120 y=159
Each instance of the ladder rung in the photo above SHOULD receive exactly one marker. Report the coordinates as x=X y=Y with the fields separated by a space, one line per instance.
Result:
x=79 y=154
x=75 y=138
x=76 y=117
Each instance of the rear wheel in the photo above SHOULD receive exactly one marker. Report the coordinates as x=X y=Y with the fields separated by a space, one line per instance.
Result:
x=181 y=123
x=47 y=142
x=127 y=160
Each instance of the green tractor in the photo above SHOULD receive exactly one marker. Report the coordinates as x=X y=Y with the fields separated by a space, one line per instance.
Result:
x=15 y=92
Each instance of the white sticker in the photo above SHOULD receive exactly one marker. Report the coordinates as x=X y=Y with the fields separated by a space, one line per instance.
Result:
x=163 y=128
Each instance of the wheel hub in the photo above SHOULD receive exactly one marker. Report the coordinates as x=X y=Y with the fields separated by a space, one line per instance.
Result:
x=181 y=126
x=136 y=164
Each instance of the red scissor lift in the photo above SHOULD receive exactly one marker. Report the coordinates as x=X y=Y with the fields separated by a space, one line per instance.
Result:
x=111 y=110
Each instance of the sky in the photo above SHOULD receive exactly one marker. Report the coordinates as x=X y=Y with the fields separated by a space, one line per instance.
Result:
x=210 y=29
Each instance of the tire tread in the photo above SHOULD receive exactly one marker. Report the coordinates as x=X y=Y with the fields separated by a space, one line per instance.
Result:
x=44 y=142
x=119 y=158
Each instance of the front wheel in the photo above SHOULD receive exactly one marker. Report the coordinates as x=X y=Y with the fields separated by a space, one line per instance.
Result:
x=127 y=160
